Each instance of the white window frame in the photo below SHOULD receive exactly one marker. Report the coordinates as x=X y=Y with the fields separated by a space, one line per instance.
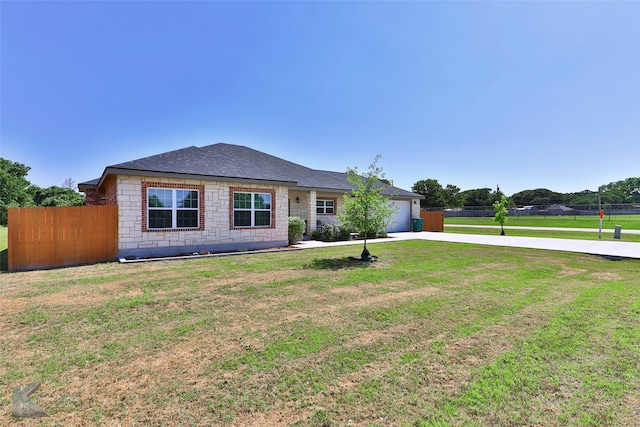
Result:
x=174 y=209
x=324 y=207
x=253 y=209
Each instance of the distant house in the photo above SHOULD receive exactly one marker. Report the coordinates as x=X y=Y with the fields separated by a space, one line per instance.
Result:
x=559 y=210
x=222 y=197
x=527 y=211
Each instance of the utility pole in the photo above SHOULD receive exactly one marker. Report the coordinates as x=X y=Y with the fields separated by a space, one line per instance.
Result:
x=601 y=213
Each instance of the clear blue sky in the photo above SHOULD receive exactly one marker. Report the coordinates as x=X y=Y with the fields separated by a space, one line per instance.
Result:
x=520 y=94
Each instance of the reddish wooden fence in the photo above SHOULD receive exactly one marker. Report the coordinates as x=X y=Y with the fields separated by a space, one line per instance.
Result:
x=61 y=236
x=433 y=221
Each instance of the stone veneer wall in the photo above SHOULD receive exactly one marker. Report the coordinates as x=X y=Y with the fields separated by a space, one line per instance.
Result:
x=217 y=234
x=305 y=208
x=307 y=202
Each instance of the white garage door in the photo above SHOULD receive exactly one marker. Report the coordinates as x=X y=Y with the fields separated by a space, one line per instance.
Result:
x=402 y=218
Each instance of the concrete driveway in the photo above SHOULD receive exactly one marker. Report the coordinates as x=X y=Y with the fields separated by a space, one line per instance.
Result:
x=617 y=249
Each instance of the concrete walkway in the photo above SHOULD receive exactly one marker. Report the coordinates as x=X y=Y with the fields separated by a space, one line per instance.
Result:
x=616 y=249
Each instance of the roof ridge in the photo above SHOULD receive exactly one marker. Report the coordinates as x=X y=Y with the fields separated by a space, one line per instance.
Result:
x=184 y=149
x=262 y=153
x=235 y=162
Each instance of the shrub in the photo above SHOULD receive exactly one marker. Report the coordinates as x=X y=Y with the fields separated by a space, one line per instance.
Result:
x=316 y=235
x=331 y=232
x=297 y=227
x=344 y=232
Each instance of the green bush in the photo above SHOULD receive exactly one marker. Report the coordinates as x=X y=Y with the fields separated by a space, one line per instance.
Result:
x=345 y=232
x=375 y=234
x=316 y=235
x=297 y=227
x=331 y=232
x=334 y=233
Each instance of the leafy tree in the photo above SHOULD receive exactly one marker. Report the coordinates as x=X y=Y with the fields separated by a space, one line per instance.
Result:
x=13 y=187
x=366 y=210
x=436 y=196
x=432 y=191
x=501 y=212
x=478 y=197
x=585 y=197
x=452 y=196
x=629 y=189
x=614 y=196
x=539 y=196
x=57 y=196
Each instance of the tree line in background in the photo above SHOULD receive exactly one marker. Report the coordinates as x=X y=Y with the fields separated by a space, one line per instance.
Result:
x=450 y=196
x=17 y=191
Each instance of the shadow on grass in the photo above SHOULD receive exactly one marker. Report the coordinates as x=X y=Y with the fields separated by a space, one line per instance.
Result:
x=4 y=260
x=336 y=264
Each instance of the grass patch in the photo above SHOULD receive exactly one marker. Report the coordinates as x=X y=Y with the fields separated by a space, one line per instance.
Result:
x=4 y=251
x=433 y=334
x=606 y=236
x=629 y=222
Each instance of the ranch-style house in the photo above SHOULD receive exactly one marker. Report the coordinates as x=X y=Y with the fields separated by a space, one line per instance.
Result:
x=222 y=197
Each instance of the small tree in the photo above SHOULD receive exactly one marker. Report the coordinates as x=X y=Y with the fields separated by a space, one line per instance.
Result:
x=366 y=211
x=501 y=212
x=69 y=183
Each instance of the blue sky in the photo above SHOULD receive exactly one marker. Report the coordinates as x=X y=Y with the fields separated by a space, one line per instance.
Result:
x=521 y=94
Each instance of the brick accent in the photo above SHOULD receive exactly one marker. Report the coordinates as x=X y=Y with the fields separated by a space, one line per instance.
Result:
x=110 y=195
x=92 y=198
x=251 y=190
x=146 y=185
x=104 y=196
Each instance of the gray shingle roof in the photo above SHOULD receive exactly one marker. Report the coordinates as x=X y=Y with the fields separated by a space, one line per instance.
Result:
x=236 y=162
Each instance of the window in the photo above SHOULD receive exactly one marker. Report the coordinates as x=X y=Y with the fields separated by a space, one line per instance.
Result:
x=172 y=208
x=251 y=209
x=325 y=207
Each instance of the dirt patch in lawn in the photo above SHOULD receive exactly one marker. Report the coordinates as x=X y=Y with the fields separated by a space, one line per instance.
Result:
x=606 y=276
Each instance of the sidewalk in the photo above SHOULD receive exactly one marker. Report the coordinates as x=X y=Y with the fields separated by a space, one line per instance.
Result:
x=608 y=249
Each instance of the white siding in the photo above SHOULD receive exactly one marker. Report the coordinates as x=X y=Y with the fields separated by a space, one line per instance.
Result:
x=402 y=218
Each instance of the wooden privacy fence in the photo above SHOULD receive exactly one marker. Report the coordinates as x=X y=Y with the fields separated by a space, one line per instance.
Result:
x=61 y=236
x=433 y=221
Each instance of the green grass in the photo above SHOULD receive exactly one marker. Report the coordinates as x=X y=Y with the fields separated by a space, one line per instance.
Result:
x=584 y=235
x=433 y=334
x=630 y=222
x=4 y=245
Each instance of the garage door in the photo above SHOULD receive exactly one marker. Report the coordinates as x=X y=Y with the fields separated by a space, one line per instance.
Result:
x=402 y=218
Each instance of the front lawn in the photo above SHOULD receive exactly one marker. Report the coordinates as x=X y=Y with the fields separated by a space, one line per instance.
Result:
x=433 y=334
